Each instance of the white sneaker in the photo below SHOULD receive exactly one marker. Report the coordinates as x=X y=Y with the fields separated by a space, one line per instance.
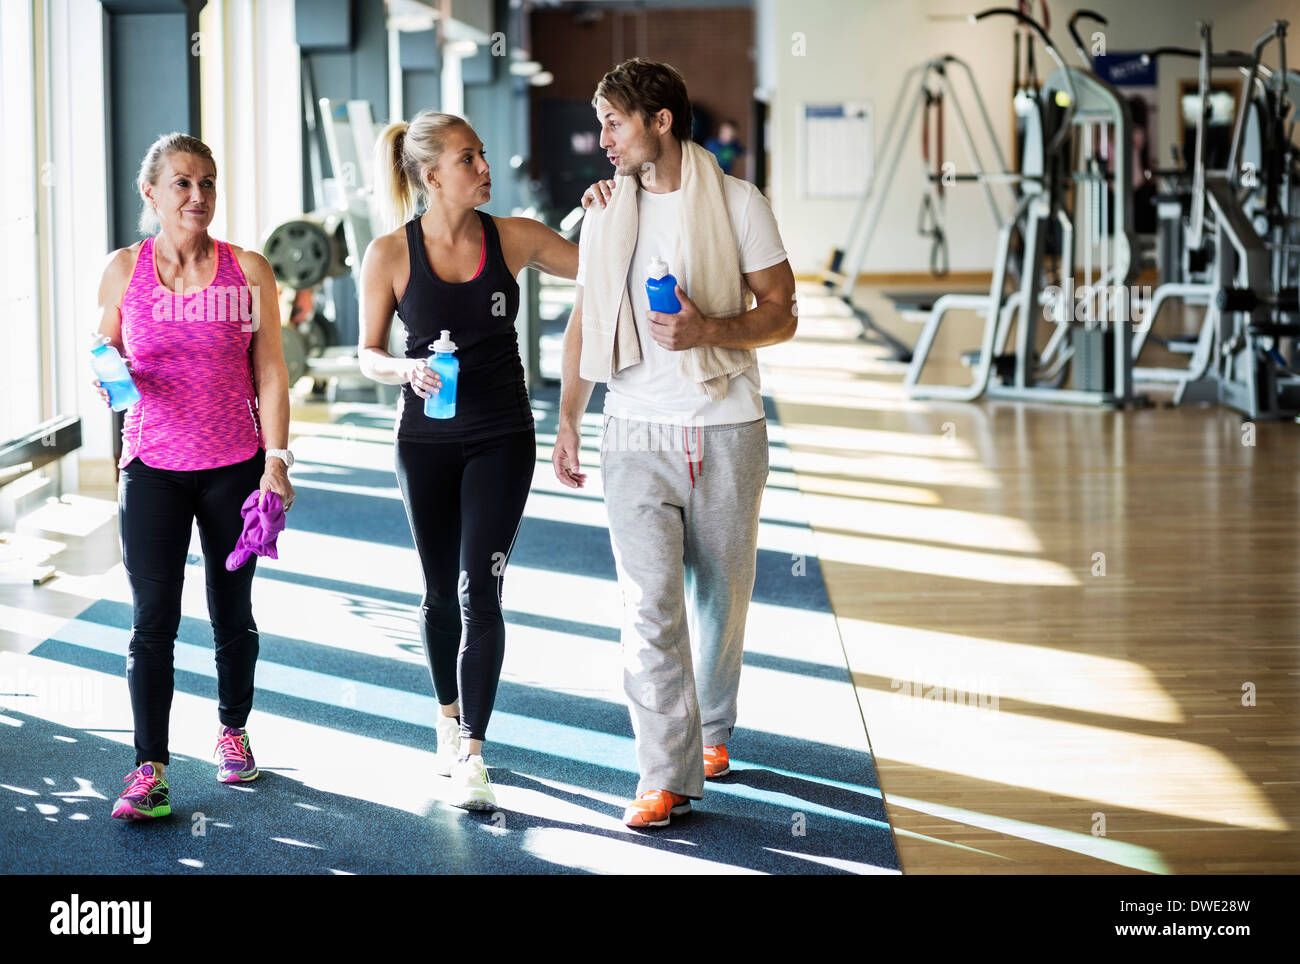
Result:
x=448 y=730
x=470 y=788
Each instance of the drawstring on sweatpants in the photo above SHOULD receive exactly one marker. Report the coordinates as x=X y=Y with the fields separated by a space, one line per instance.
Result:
x=696 y=466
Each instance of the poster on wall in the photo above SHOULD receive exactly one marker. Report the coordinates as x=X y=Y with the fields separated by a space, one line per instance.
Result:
x=1136 y=82
x=836 y=149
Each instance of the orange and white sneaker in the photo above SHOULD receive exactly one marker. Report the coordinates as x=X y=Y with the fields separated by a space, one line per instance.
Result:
x=655 y=808
x=716 y=762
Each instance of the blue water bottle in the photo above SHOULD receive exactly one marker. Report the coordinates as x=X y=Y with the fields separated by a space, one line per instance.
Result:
x=112 y=373
x=659 y=289
x=445 y=363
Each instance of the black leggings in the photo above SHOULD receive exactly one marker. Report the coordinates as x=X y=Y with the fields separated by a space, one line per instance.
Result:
x=156 y=512
x=464 y=501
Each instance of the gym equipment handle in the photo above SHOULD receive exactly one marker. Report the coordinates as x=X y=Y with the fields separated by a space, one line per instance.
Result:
x=1067 y=120
x=1244 y=299
x=1078 y=44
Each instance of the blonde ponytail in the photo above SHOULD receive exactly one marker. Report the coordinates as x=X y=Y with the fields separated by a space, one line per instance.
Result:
x=395 y=195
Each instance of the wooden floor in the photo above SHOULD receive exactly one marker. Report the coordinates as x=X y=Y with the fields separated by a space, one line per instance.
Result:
x=1073 y=633
x=1054 y=617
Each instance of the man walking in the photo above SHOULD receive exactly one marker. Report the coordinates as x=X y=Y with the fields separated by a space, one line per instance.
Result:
x=684 y=452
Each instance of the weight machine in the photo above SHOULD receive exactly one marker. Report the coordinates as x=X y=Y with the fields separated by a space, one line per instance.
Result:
x=925 y=90
x=306 y=253
x=1243 y=234
x=1074 y=173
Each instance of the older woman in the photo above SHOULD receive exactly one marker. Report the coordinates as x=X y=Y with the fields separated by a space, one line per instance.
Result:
x=199 y=323
x=464 y=479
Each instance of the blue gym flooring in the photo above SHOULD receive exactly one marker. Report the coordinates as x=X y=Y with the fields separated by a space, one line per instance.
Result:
x=791 y=804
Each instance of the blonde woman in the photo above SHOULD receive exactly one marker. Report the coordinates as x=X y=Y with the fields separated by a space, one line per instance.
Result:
x=199 y=322
x=464 y=480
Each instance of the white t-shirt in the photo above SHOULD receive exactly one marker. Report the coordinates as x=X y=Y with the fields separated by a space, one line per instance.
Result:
x=655 y=390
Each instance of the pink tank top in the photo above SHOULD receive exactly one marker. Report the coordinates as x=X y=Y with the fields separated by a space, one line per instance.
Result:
x=190 y=360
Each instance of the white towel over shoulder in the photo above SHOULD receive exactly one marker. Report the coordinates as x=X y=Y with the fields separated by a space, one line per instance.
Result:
x=706 y=263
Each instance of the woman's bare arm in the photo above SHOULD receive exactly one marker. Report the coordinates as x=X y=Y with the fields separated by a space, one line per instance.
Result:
x=378 y=304
x=531 y=244
x=112 y=286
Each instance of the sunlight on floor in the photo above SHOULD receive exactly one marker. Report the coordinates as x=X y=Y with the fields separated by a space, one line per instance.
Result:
x=1046 y=675
x=1097 y=847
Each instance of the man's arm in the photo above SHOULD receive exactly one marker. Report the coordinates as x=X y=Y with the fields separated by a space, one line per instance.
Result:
x=575 y=393
x=771 y=321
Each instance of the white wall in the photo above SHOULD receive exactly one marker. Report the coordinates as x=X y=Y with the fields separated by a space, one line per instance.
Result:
x=859 y=49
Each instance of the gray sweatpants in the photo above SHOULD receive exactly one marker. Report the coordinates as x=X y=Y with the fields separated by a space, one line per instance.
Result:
x=684 y=529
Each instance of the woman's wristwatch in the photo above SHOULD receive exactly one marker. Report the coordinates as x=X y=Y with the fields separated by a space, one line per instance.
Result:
x=284 y=455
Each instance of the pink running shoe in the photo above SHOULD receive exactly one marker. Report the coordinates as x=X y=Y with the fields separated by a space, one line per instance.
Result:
x=234 y=757
x=147 y=797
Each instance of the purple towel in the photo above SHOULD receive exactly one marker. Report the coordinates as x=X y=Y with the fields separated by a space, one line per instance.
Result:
x=262 y=524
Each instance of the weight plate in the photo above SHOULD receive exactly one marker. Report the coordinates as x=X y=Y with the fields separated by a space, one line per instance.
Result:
x=295 y=352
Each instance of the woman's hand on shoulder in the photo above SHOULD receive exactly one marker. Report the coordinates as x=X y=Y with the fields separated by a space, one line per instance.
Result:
x=599 y=193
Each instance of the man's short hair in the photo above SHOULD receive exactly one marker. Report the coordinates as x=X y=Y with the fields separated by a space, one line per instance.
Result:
x=646 y=87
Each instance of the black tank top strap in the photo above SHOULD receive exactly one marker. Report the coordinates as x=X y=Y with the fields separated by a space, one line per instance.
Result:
x=492 y=240
x=414 y=248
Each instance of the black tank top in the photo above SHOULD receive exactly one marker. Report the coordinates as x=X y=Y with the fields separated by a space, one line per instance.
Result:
x=491 y=398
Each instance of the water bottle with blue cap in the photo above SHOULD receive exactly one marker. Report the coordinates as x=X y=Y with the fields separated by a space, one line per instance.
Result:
x=660 y=288
x=442 y=404
x=112 y=373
